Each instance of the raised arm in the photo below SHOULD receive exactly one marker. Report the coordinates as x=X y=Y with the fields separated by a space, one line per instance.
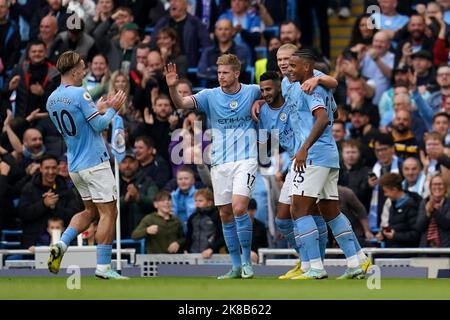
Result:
x=172 y=79
x=325 y=80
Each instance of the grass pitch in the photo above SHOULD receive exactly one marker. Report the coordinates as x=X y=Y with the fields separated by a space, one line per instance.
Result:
x=192 y=288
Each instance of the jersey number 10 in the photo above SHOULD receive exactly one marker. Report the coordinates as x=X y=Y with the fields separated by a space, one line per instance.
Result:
x=62 y=126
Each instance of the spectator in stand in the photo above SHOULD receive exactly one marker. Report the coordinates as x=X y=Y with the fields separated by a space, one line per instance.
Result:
x=120 y=52
x=386 y=163
x=208 y=11
x=412 y=39
x=204 y=228
x=435 y=159
x=183 y=202
x=153 y=82
x=54 y=224
x=400 y=85
x=402 y=101
x=45 y=196
x=339 y=132
x=151 y=164
x=389 y=19
x=137 y=193
x=160 y=123
x=357 y=99
x=377 y=63
x=33 y=81
x=48 y=30
x=352 y=207
x=163 y=231
x=415 y=179
x=192 y=33
x=223 y=44
x=433 y=221
x=110 y=28
x=170 y=48
x=53 y=8
x=138 y=70
x=422 y=64
x=353 y=173
x=441 y=49
x=363 y=132
x=75 y=39
x=399 y=229
x=103 y=12
x=259 y=238
x=247 y=25
x=10 y=42
x=441 y=124
x=362 y=34
x=405 y=143
x=97 y=80
x=262 y=64
x=436 y=100
x=33 y=149
x=290 y=33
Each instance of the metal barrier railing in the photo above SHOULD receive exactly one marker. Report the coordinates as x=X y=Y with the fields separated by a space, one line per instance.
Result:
x=24 y=252
x=263 y=252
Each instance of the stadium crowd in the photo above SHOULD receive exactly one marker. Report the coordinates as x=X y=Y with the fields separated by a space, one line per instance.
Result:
x=393 y=130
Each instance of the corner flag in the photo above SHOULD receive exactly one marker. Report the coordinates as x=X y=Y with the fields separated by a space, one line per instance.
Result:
x=118 y=150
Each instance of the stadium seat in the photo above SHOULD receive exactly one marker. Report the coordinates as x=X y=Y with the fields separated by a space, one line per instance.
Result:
x=6 y=243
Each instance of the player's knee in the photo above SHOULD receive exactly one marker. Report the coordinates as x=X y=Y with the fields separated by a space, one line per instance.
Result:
x=239 y=209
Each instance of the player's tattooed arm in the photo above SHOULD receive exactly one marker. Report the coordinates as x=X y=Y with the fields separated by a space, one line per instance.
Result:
x=172 y=80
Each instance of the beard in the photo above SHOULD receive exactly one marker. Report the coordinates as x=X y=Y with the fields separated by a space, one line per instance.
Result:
x=401 y=129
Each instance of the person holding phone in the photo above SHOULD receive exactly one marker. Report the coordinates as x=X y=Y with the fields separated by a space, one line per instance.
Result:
x=400 y=230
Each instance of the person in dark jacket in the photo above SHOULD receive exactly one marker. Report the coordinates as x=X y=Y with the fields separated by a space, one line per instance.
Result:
x=54 y=8
x=433 y=221
x=353 y=174
x=137 y=192
x=204 y=228
x=9 y=42
x=191 y=31
x=400 y=228
x=45 y=196
x=34 y=80
x=151 y=164
x=223 y=43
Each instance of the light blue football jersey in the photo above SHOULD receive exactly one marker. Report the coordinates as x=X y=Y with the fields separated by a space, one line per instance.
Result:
x=278 y=119
x=286 y=84
x=234 y=136
x=324 y=151
x=76 y=117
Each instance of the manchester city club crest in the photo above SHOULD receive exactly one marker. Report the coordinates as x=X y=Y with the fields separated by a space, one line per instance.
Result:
x=283 y=116
x=87 y=96
x=118 y=142
x=233 y=104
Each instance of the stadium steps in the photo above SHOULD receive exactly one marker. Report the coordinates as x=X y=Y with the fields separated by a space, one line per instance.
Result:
x=341 y=29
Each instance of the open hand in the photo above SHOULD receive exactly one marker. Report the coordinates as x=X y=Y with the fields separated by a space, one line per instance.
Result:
x=171 y=74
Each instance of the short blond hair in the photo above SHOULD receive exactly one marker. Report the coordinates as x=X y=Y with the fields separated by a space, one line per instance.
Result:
x=67 y=61
x=229 y=60
x=288 y=46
